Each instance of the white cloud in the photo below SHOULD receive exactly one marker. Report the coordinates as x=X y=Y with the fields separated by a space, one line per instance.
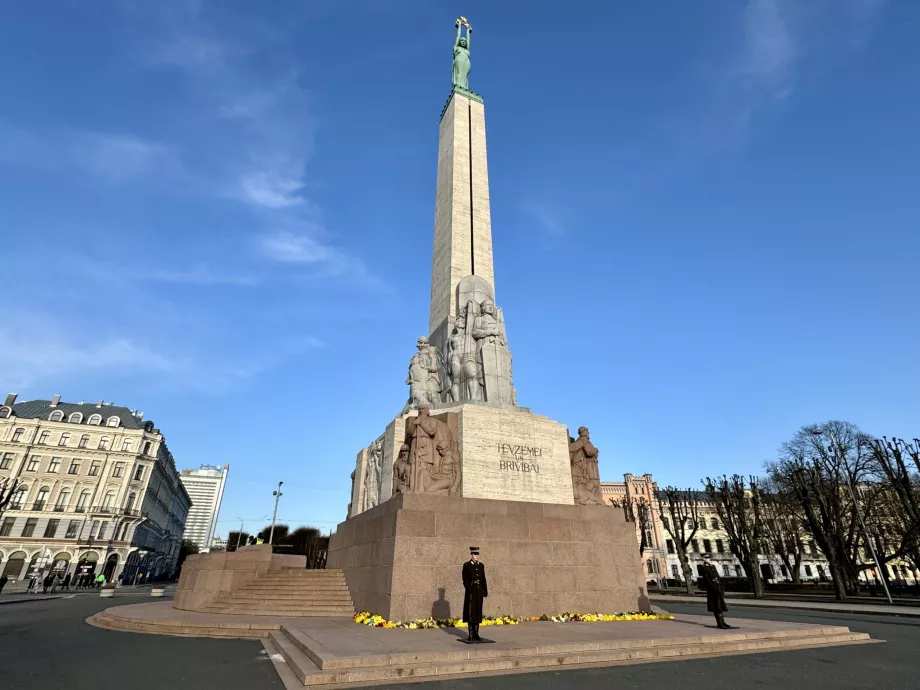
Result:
x=293 y=248
x=119 y=156
x=271 y=189
x=770 y=50
x=200 y=274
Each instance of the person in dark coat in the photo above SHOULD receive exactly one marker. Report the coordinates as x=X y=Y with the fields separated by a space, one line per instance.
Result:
x=715 y=592
x=475 y=590
x=3 y=580
x=66 y=583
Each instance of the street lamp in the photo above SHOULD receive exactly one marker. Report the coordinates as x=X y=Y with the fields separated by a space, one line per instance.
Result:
x=862 y=524
x=277 y=495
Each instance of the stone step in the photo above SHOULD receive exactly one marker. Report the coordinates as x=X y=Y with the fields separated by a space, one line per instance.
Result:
x=284 y=613
x=244 y=606
x=317 y=574
x=274 y=601
x=276 y=586
x=486 y=659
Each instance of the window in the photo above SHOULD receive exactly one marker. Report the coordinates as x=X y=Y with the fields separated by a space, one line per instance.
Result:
x=65 y=439
x=56 y=416
x=720 y=546
x=92 y=530
x=675 y=571
x=727 y=571
x=707 y=546
x=75 y=418
x=119 y=469
x=29 y=529
x=55 y=465
x=737 y=571
x=124 y=531
x=113 y=421
x=808 y=570
x=126 y=445
x=84 y=440
x=63 y=499
x=670 y=545
x=51 y=528
x=138 y=473
x=41 y=499
x=43 y=438
x=95 y=419
x=695 y=545
x=715 y=524
x=699 y=570
x=109 y=499
x=651 y=567
x=4 y=412
x=94 y=468
x=17 y=435
x=147 y=448
x=783 y=570
x=18 y=498
x=102 y=528
x=72 y=527
x=130 y=504
x=82 y=501
x=7 y=461
x=74 y=466
x=104 y=443
x=667 y=525
x=7 y=527
x=32 y=465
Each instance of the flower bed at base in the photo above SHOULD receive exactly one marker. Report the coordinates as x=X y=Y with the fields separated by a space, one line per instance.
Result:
x=366 y=618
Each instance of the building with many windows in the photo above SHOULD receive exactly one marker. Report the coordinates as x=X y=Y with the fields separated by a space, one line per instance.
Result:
x=661 y=562
x=205 y=486
x=95 y=486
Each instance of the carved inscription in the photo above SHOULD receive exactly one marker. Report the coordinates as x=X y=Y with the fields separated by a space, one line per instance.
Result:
x=514 y=458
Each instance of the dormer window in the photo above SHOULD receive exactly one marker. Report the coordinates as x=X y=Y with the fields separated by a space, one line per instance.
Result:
x=113 y=421
x=95 y=419
x=56 y=416
x=5 y=412
x=75 y=418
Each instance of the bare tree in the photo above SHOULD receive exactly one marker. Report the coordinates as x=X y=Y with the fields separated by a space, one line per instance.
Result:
x=637 y=511
x=681 y=520
x=739 y=508
x=816 y=466
x=782 y=523
x=899 y=509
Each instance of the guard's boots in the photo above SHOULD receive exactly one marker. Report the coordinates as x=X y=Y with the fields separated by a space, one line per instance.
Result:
x=476 y=637
x=720 y=618
x=469 y=633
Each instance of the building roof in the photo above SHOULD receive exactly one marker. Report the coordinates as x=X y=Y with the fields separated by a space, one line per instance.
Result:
x=42 y=409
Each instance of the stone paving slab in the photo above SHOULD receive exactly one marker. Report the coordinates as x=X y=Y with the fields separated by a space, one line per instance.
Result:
x=836 y=606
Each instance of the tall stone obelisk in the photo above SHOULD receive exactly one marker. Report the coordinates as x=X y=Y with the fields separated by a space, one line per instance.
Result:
x=462 y=221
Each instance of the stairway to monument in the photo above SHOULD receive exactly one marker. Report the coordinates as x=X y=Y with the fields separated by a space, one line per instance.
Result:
x=290 y=592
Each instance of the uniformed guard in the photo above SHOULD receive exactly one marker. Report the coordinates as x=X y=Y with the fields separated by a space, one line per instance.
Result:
x=475 y=588
x=715 y=592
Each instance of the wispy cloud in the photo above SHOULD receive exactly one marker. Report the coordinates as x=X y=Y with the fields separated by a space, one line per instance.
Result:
x=546 y=218
x=270 y=189
x=292 y=248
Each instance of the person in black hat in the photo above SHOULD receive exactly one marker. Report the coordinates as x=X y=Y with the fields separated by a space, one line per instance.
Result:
x=715 y=592
x=476 y=589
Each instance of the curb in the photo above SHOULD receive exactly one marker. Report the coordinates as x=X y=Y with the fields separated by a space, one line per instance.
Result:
x=26 y=601
x=794 y=606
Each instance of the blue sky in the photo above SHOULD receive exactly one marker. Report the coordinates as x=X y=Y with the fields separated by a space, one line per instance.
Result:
x=221 y=213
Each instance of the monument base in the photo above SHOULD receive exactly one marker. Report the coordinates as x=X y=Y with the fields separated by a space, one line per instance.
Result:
x=402 y=558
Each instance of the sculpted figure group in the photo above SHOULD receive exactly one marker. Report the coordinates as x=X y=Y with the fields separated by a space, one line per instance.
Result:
x=477 y=367
x=428 y=461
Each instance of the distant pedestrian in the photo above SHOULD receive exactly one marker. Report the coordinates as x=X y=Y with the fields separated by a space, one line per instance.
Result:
x=47 y=582
x=3 y=580
x=100 y=580
x=33 y=585
x=715 y=592
x=66 y=583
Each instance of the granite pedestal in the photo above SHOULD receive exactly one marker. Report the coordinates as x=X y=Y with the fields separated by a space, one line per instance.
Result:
x=402 y=558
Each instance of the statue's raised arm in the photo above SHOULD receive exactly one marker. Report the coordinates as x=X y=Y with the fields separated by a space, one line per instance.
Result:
x=461 y=71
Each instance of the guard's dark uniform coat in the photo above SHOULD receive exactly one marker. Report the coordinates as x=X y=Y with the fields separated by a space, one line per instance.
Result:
x=476 y=588
x=715 y=590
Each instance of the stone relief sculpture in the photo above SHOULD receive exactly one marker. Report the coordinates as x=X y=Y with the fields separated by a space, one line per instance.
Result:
x=372 y=475
x=424 y=378
x=435 y=465
x=402 y=471
x=494 y=356
x=586 y=478
x=463 y=363
x=461 y=71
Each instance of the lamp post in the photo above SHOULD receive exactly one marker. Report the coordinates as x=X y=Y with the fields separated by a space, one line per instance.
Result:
x=239 y=535
x=277 y=495
x=862 y=524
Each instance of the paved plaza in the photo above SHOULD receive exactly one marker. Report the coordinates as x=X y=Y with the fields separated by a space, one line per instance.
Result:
x=46 y=644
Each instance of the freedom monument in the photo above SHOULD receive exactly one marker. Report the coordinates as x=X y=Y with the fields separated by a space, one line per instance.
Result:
x=463 y=463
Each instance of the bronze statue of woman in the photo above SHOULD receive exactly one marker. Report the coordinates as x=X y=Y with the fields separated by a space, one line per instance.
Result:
x=461 y=75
